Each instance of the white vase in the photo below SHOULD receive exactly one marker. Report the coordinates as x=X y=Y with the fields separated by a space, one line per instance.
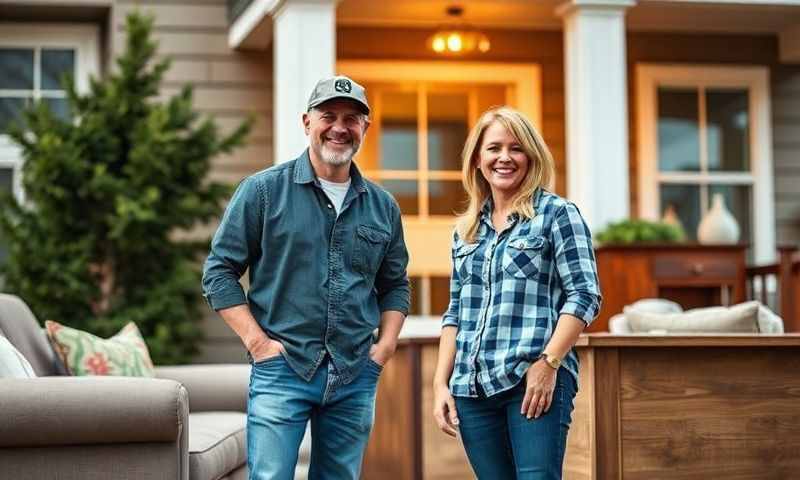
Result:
x=718 y=225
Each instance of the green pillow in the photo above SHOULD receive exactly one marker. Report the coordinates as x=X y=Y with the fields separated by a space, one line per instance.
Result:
x=83 y=354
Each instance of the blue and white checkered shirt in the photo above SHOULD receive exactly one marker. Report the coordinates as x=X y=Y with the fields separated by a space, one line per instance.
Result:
x=507 y=292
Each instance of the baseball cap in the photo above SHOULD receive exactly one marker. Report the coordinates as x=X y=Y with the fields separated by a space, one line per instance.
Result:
x=338 y=87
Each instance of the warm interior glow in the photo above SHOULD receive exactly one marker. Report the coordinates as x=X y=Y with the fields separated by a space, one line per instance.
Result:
x=458 y=42
x=454 y=42
x=438 y=44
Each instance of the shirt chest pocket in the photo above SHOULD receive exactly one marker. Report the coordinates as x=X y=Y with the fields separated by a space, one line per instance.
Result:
x=463 y=257
x=369 y=249
x=524 y=257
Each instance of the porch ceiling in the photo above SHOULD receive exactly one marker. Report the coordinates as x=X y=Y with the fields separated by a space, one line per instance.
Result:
x=723 y=16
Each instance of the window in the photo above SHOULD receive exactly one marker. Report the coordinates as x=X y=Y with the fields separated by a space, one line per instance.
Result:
x=33 y=59
x=704 y=130
x=421 y=115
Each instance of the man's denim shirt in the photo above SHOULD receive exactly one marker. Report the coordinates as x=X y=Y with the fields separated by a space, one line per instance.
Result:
x=318 y=283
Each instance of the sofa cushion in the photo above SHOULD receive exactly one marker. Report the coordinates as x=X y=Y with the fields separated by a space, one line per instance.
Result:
x=19 y=325
x=742 y=318
x=12 y=363
x=85 y=354
x=217 y=444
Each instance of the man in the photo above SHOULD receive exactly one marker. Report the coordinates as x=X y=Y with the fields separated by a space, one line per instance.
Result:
x=327 y=266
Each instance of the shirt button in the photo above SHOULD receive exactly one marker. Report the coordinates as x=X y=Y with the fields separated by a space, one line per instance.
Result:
x=330 y=206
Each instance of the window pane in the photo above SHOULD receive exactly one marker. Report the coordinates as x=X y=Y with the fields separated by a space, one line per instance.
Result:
x=678 y=132
x=16 y=68
x=728 y=132
x=447 y=197
x=405 y=192
x=10 y=110
x=685 y=199
x=56 y=63
x=738 y=201
x=447 y=129
x=440 y=295
x=6 y=179
x=58 y=106
x=399 y=131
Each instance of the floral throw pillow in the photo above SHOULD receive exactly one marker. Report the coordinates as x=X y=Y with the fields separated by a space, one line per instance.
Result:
x=83 y=354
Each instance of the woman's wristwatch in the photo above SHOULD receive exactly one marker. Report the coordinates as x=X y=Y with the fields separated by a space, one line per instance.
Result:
x=552 y=361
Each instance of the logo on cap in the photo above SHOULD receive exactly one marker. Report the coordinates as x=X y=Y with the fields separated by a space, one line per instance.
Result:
x=343 y=85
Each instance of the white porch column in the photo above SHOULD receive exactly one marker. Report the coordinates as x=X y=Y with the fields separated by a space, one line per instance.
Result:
x=304 y=51
x=596 y=108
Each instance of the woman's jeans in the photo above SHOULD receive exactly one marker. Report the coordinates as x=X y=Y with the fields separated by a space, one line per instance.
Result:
x=280 y=405
x=503 y=444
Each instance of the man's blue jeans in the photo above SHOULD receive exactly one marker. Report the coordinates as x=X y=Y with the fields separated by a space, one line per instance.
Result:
x=502 y=443
x=281 y=404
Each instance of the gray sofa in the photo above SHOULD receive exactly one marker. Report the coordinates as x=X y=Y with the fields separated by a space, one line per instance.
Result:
x=187 y=424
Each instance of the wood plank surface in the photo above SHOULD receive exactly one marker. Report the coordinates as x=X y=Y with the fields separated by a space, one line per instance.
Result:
x=714 y=412
x=443 y=457
x=580 y=457
x=390 y=452
x=666 y=341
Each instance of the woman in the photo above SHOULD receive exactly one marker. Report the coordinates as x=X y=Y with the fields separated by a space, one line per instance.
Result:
x=523 y=288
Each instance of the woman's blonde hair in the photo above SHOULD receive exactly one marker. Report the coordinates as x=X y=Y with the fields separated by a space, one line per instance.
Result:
x=540 y=172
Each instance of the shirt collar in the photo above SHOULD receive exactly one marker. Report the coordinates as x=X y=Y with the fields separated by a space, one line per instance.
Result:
x=304 y=173
x=486 y=209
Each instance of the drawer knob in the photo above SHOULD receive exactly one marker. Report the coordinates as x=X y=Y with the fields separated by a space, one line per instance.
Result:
x=697 y=268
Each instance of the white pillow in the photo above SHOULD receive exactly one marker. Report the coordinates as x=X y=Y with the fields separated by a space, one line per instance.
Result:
x=656 y=305
x=12 y=363
x=768 y=322
x=619 y=325
x=742 y=318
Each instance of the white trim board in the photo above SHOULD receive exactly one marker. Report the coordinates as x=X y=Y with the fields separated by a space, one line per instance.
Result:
x=754 y=78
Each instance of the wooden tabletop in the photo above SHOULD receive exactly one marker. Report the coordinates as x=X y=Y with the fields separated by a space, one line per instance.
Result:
x=704 y=340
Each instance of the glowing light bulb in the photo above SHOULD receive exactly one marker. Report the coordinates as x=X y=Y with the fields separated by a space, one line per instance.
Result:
x=439 y=44
x=454 y=42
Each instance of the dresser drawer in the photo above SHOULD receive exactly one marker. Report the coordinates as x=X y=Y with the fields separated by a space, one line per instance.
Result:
x=682 y=267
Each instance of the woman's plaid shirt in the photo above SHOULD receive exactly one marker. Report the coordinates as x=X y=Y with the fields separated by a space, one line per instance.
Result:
x=507 y=292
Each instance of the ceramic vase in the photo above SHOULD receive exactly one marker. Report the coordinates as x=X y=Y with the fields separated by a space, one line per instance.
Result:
x=718 y=225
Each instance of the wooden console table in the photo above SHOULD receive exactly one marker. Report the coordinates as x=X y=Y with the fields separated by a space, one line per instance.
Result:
x=692 y=275
x=665 y=407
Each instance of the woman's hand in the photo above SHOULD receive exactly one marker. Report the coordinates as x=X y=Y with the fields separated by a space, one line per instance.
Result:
x=540 y=382
x=444 y=410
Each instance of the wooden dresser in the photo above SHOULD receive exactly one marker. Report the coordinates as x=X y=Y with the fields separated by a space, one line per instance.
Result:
x=692 y=275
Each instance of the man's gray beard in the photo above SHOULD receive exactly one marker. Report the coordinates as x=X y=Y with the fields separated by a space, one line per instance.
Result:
x=332 y=158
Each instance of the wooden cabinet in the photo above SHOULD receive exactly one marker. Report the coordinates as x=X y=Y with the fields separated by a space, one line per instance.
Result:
x=648 y=407
x=689 y=274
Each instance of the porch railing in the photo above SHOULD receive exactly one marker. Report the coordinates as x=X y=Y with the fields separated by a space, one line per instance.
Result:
x=777 y=285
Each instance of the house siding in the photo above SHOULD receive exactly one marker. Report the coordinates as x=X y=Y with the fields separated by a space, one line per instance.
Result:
x=786 y=152
x=229 y=86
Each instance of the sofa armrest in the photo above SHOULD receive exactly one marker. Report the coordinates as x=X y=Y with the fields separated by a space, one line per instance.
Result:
x=50 y=411
x=213 y=387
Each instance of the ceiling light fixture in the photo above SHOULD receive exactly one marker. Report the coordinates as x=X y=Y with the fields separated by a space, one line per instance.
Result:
x=458 y=40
